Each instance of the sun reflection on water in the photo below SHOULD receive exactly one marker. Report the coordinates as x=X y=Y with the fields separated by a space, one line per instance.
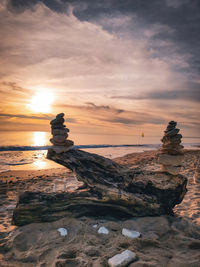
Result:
x=39 y=138
x=40 y=164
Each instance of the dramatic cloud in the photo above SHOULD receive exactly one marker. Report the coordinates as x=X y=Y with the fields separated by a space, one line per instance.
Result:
x=43 y=117
x=110 y=63
x=190 y=94
x=103 y=114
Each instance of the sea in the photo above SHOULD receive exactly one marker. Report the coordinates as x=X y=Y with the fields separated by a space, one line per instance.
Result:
x=27 y=150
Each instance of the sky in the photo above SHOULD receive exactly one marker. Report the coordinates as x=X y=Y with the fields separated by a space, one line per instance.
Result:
x=114 y=67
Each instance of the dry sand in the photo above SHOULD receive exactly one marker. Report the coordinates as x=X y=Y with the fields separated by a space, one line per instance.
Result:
x=171 y=241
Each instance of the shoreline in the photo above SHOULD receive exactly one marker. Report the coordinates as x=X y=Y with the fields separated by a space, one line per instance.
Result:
x=36 y=159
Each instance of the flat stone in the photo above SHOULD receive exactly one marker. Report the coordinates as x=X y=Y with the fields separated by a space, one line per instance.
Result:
x=172 y=143
x=65 y=143
x=58 y=126
x=60 y=138
x=170 y=127
x=173 y=123
x=57 y=143
x=130 y=233
x=173 y=149
x=174 y=152
x=172 y=132
x=167 y=159
x=69 y=143
x=174 y=170
x=122 y=259
x=176 y=137
x=61 y=149
x=62 y=131
x=103 y=230
x=60 y=115
x=57 y=121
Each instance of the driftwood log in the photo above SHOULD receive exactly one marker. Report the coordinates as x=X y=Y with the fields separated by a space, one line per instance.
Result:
x=110 y=189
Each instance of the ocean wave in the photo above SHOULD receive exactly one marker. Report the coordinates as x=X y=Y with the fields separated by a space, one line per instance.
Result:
x=32 y=148
x=23 y=148
x=35 y=148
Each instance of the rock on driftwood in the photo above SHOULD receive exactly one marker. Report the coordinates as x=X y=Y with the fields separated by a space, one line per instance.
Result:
x=110 y=189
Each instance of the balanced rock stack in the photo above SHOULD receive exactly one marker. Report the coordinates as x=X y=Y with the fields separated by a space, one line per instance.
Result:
x=171 y=154
x=60 y=134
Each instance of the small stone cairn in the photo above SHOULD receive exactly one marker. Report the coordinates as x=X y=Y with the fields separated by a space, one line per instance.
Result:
x=170 y=155
x=60 y=134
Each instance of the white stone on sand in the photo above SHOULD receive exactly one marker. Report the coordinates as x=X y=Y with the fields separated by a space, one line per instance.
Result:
x=130 y=233
x=122 y=259
x=62 y=231
x=103 y=230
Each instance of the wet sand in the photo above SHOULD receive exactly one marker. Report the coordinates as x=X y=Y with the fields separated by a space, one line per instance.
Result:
x=166 y=240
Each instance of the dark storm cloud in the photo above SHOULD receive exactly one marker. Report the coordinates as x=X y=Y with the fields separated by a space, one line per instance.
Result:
x=13 y=87
x=182 y=16
x=192 y=94
x=91 y=105
x=127 y=121
x=47 y=117
x=118 y=116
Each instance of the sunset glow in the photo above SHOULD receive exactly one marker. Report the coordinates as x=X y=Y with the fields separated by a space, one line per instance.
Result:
x=115 y=68
x=41 y=102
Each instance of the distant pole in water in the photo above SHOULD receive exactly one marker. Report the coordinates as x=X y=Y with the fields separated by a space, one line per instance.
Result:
x=142 y=134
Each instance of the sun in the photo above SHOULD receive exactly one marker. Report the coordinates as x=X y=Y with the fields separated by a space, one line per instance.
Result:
x=41 y=102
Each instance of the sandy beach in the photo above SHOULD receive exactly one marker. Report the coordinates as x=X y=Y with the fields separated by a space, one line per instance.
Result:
x=165 y=240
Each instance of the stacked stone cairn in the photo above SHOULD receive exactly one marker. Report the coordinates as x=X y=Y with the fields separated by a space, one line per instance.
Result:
x=170 y=155
x=60 y=134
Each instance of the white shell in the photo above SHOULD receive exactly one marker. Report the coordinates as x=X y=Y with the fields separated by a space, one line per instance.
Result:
x=130 y=233
x=62 y=231
x=103 y=230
